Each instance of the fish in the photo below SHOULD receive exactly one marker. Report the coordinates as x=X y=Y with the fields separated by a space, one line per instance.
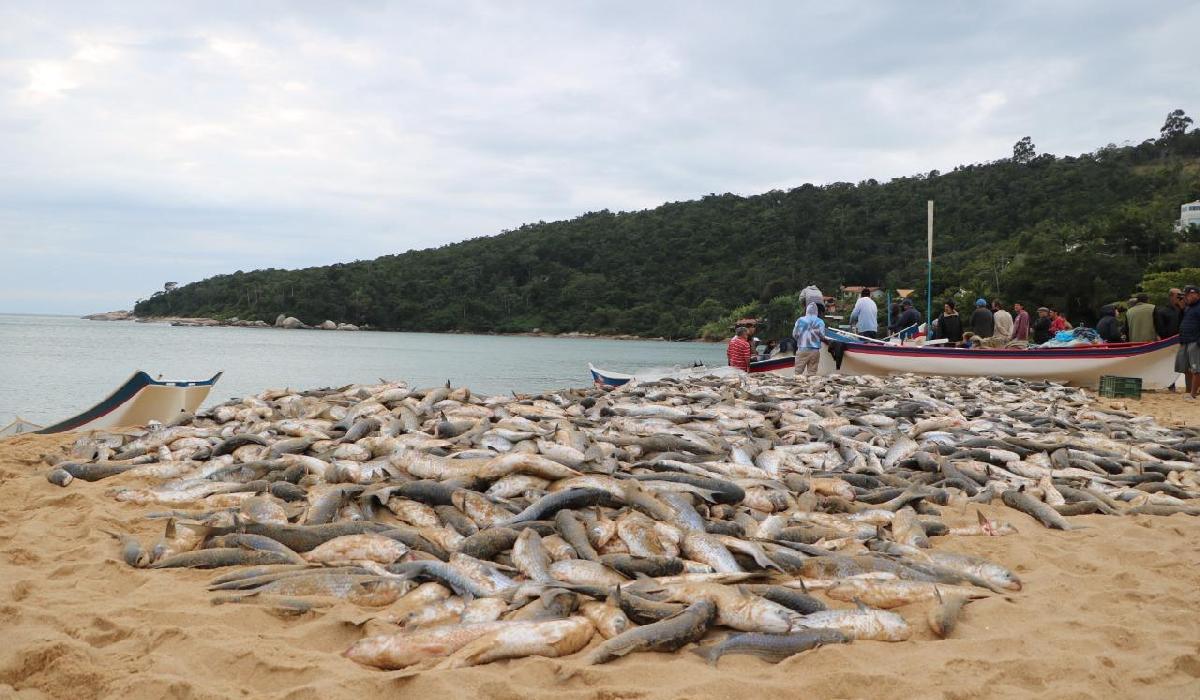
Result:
x=1039 y=511
x=550 y=638
x=426 y=509
x=863 y=624
x=355 y=548
x=887 y=594
x=397 y=651
x=771 y=647
x=665 y=635
x=943 y=617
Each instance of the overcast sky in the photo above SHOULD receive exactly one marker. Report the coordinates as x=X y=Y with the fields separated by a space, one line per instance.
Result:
x=156 y=141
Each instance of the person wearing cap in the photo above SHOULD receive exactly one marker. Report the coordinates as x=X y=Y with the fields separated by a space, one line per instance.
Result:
x=1041 y=326
x=1168 y=316
x=809 y=333
x=738 y=350
x=908 y=320
x=983 y=324
x=1187 y=359
x=1139 y=320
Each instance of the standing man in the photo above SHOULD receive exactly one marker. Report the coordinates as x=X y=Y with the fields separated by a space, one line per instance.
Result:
x=906 y=324
x=1002 y=321
x=1041 y=327
x=738 y=351
x=982 y=323
x=1167 y=318
x=812 y=295
x=1108 y=328
x=950 y=324
x=809 y=333
x=865 y=316
x=1187 y=360
x=1020 y=323
x=1139 y=320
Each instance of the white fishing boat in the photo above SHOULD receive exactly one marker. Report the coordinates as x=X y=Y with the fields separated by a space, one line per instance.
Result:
x=1153 y=363
x=606 y=378
x=140 y=400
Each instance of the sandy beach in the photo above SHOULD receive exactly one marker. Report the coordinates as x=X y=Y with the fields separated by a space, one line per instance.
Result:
x=1112 y=610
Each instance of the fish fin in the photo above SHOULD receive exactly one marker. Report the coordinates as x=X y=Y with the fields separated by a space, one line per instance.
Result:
x=709 y=653
x=170 y=530
x=861 y=605
x=938 y=592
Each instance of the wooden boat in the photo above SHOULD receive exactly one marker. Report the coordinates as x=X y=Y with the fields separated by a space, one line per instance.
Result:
x=1153 y=363
x=140 y=400
x=607 y=378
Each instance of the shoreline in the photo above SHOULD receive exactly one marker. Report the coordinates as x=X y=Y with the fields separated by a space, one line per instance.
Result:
x=207 y=322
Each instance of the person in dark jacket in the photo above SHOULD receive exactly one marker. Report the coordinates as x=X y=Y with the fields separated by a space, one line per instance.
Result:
x=1041 y=326
x=1109 y=328
x=1167 y=318
x=1187 y=360
x=983 y=324
x=909 y=316
x=950 y=324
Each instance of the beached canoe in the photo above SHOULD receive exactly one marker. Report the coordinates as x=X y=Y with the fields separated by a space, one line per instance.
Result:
x=1153 y=363
x=603 y=377
x=140 y=400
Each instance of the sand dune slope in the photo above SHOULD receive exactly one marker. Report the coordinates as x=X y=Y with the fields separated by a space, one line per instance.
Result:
x=1108 y=611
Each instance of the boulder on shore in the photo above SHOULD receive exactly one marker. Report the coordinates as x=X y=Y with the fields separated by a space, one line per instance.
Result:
x=347 y=327
x=328 y=326
x=279 y=320
x=292 y=322
x=111 y=316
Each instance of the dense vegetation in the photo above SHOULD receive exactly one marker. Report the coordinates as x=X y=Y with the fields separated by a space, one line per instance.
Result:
x=1074 y=232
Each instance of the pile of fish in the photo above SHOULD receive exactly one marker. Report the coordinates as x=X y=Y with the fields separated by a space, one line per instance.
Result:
x=792 y=512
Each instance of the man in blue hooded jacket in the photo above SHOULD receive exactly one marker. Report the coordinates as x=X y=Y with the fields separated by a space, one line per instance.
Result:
x=983 y=324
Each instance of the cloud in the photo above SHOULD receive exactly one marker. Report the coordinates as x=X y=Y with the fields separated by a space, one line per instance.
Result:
x=146 y=142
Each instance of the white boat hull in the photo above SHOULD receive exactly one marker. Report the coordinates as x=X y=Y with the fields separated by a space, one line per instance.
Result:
x=1153 y=363
x=139 y=401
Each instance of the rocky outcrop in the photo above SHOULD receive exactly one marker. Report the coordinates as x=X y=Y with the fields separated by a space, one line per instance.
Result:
x=111 y=316
x=327 y=325
x=347 y=327
x=291 y=322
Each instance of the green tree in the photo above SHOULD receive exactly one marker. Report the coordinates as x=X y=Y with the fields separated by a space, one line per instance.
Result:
x=1159 y=283
x=1024 y=151
x=1176 y=125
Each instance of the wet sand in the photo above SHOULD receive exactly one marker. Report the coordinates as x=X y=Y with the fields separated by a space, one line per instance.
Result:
x=1112 y=610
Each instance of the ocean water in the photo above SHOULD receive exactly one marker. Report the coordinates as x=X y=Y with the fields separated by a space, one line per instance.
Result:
x=52 y=367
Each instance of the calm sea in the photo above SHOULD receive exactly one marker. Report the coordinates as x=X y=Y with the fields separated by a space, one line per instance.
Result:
x=51 y=367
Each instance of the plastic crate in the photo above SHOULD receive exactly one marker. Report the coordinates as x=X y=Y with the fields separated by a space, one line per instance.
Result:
x=1120 y=387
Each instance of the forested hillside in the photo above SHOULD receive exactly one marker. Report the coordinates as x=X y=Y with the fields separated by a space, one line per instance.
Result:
x=1074 y=232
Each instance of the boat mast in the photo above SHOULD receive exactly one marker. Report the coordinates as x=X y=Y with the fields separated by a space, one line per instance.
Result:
x=929 y=273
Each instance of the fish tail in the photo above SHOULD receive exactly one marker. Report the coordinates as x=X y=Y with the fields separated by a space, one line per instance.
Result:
x=709 y=653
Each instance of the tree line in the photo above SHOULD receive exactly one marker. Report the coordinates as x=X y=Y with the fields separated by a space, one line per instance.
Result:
x=1073 y=232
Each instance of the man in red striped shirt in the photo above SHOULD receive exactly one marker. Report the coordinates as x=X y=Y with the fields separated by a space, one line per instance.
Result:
x=738 y=351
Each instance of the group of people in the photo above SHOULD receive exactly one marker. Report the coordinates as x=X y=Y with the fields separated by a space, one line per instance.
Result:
x=992 y=325
x=807 y=335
